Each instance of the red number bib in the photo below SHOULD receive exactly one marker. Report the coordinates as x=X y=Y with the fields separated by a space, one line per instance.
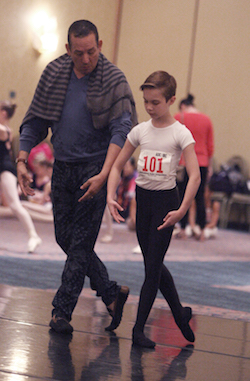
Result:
x=155 y=165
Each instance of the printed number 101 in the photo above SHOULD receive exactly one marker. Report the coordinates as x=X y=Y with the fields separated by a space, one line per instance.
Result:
x=152 y=165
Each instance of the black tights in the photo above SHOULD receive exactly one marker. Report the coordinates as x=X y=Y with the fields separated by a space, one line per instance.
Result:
x=152 y=207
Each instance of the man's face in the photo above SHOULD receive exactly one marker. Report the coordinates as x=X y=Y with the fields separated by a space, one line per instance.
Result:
x=84 y=52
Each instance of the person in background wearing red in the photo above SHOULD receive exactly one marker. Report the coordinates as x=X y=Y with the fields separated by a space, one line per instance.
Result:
x=201 y=128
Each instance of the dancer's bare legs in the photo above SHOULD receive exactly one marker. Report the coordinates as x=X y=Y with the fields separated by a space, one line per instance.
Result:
x=9 y=189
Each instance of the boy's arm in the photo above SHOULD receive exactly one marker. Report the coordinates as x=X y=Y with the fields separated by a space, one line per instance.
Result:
x=193 y=171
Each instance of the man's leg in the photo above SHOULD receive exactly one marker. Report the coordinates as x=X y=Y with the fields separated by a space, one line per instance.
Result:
x=113 y=296
x=77 y=226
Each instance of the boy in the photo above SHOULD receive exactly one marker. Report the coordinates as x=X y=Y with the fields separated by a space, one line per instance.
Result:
x=162 y=140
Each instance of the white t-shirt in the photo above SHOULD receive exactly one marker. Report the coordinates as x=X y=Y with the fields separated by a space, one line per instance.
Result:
x=161 y=149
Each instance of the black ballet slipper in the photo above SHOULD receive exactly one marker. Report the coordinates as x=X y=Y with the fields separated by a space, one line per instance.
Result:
x=184 y=326
x=60 y=325
x=118 y=308
x=140 y=340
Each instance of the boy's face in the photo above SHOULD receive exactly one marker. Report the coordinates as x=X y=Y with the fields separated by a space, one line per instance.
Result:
x=155 y=103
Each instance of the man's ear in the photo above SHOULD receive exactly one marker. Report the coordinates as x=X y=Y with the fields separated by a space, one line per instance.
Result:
x=68 y=49
x=100 y=45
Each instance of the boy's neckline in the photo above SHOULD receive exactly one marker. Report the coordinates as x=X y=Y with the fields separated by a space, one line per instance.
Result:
x=163 y=126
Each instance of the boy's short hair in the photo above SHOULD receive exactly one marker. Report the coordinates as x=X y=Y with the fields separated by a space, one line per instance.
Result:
x=161 y=80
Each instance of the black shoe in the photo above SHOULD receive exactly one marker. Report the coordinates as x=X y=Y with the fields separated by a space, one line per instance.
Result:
x=118 y=308
x=184 y=326
x=140 y=340
x=60 y=325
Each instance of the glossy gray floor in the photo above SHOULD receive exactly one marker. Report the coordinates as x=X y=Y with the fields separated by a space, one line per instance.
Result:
x=30 y=352
x=216 y=283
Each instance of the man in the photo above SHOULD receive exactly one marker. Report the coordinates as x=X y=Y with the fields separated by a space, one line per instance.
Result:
x=88 y=104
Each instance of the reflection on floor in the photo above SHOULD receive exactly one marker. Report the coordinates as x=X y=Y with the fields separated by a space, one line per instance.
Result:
x=29 y=351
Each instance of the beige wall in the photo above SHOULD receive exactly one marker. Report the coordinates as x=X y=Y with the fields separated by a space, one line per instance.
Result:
x=21 y=66
x=155 y=34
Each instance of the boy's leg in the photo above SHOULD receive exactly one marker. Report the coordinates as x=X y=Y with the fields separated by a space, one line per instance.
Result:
x=152 y=209
x=182 y=315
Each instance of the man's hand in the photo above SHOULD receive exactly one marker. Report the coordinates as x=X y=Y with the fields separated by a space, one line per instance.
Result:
x=24 y=179
x=94 y=184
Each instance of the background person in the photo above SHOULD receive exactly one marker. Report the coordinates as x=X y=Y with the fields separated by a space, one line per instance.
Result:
x=39 y=205
x=40 y=163
x=8 y=176
x=40 y=178
x=41 y=152
x=89 y=126
x=109 y=231
x=213 y=215
x=201 y=128
x=126 y=192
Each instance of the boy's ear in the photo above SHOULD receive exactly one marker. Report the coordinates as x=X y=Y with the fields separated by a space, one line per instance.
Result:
x=172 y=100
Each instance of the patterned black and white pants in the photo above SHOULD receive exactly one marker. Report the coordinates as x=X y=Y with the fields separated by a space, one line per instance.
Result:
x=77 y=226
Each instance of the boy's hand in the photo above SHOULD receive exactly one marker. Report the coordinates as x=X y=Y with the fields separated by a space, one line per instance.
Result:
x=114 y=207
x=170 y=219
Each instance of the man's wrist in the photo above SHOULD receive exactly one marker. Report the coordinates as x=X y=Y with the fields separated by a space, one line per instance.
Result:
x=21 y=160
